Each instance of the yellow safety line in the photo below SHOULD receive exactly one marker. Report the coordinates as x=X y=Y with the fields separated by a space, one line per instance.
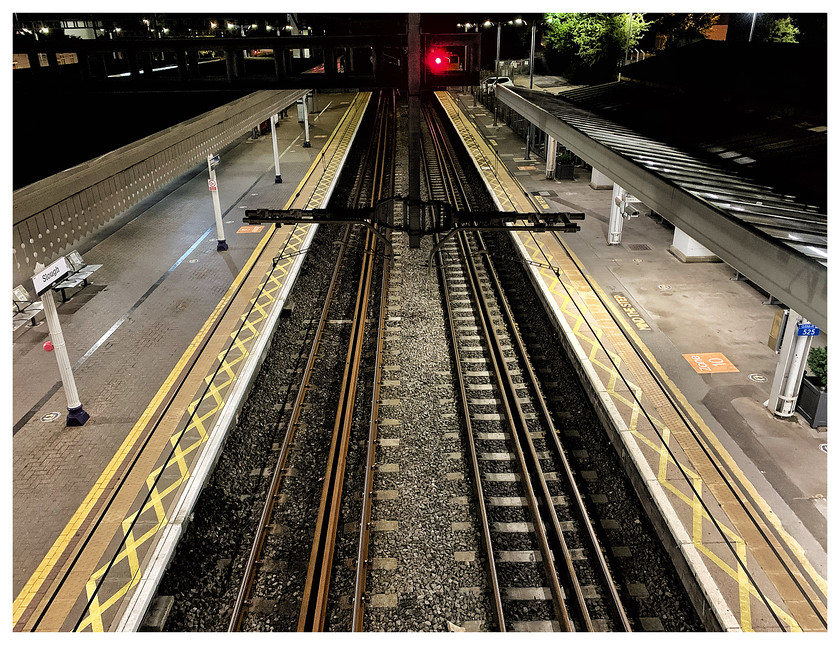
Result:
x=219 y=380
x=271 y=286
x=43 y=570
x=745 y=588
x=710 y=436
x=35 y=581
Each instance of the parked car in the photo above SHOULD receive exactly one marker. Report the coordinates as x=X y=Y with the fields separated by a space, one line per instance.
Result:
x=491 y=82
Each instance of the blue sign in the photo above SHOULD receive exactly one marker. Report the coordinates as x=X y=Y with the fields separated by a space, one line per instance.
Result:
x=807 y=330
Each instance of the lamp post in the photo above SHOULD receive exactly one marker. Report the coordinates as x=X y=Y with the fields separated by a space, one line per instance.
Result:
x=531 y=59
x=752 y=27
x=498 y=52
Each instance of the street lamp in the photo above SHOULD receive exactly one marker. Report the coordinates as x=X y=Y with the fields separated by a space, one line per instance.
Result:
x=752 y=27
x=486 y=24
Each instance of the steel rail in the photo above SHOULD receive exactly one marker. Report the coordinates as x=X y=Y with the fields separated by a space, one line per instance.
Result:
x=602 y=567
x=481 y=505
x=362 y=562
x=154 y=423
x=313 y=613
x=756 y=517
x=510 y=401
x=251 y=566
x=550 y=510
x=518 y=431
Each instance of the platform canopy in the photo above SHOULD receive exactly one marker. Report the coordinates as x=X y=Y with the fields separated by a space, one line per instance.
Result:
x=771 y=238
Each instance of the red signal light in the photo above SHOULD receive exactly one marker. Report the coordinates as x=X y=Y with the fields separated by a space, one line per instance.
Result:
x=434 y=61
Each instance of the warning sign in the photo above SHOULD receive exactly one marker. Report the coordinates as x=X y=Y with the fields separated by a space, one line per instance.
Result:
x=709 y=363
x=250 y=229
x=631 y=312
x=211 y=184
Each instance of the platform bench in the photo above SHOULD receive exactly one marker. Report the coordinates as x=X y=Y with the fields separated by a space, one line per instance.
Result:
x=24 y=308
x=79 y=276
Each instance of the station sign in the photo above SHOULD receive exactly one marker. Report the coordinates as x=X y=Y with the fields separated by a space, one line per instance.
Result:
x=54 y=273
x=213 y=160
x=807 y=329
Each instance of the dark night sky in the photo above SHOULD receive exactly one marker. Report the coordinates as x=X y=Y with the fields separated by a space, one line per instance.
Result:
x=76 y=127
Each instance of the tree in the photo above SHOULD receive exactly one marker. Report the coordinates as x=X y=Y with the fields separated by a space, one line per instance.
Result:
x=782 y=30
x=682 y=28
x=589 y=45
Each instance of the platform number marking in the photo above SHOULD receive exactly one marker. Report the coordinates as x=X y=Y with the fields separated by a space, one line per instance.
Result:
x=710 y=363
x=50 y=416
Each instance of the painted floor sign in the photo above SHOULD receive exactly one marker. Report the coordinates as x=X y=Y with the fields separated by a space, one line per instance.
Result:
x=250 y=229
x=710 y=363
x=631 y=312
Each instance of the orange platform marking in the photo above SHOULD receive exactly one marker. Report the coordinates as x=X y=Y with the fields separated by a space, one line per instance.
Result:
x=250 y=229
x=709 y=363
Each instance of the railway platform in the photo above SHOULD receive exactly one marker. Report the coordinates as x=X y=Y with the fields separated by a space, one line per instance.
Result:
x=162 y=344
x=740 y=494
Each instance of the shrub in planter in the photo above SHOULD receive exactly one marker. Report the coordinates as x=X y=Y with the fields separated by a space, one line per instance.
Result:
x=565 y=165
x=812 y=402
x=818 y=364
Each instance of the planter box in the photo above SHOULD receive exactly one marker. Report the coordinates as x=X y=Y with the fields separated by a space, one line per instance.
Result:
x=565 y=171
x=812 y=403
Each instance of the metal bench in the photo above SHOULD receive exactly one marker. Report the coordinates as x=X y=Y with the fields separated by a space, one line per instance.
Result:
x=79 y=276
x=24 y=309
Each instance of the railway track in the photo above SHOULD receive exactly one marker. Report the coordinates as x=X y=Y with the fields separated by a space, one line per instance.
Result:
x=539 y=542
x=319 y=450
x=365 y=525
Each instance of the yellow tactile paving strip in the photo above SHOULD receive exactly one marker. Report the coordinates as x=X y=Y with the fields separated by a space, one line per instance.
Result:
x=505 y=191
x=706 y=517
x=128 y=536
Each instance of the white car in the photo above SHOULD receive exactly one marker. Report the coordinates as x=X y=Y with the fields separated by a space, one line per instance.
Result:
x=491 y=82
